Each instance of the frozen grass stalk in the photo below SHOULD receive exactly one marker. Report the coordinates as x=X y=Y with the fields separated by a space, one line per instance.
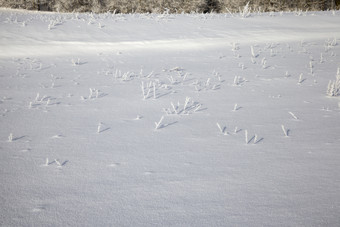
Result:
x=333 y=88
x=158 y=124
x=58 y=163
x=46 y=163
x=173 y=107
x=235 y=107
x=222 y=130
x=187 y=100
x=264 y=62
x=185 y=76
x=91 y=93
x=43 y=98
x=219 y=127
x=284 y=130
x=99 y=127
x=293 y=115
x=252 y=52
x=149 y=75
x=197 y=108
x=37 y=97
x=208 y=82
x=75 y=62
x=10 y=138
x=300 y=79
x=321 y=58
x=172 y=80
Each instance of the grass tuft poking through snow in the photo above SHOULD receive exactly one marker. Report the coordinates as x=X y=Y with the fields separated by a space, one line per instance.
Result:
x=99 y=127
x=333 y=88
x=10 y=137
x=158 y=124
x=59 y=165
x=46 y=162
x=222 y=130
x=293 y=115
x=246 y=136
x=285 y=131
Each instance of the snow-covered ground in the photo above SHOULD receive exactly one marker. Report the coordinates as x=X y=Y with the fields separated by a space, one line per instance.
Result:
x=169 y=120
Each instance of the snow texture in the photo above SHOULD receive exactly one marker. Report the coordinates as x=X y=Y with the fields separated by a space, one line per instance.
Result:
x=169 y=120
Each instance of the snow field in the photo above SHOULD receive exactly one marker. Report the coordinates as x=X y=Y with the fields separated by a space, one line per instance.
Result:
x=169 y=120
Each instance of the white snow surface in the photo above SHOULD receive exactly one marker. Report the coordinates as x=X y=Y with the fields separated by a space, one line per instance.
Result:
x=169 y=120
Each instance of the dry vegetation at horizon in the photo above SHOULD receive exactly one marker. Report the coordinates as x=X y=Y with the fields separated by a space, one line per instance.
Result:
x=170 y=6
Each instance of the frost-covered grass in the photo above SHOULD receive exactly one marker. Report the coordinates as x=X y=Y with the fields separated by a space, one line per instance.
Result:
x=333 y=88
x=169 y=120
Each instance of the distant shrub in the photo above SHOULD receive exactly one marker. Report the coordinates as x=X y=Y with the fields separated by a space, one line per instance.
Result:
x=280 y=5
x=159 y=6
x=171 y=6
x=96 y=6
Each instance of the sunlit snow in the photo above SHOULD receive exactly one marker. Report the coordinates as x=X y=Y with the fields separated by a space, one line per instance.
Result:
x=169 y=120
